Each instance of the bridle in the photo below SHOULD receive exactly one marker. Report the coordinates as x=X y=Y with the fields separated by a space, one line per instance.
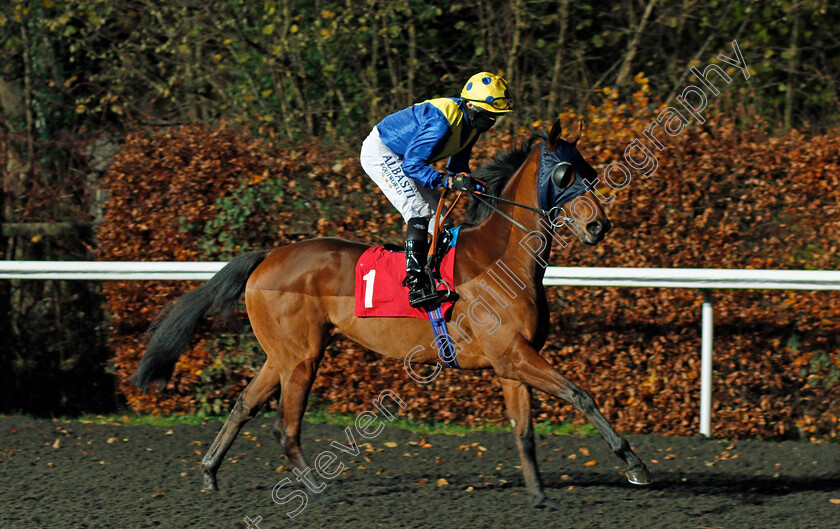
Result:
x=486 y=199
x=550 y=215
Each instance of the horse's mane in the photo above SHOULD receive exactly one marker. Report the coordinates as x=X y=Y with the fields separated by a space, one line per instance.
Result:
x=496 y=174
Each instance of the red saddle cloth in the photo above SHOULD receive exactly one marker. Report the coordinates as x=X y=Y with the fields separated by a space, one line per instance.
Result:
x=379 y=289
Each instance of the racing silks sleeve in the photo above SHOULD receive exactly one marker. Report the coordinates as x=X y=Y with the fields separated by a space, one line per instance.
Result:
x=460 y=161
x=429 y=139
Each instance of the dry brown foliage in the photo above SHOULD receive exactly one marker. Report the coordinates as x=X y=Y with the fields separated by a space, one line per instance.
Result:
x=723 y=197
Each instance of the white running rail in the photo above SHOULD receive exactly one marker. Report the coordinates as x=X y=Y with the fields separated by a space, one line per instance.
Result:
x=703 y=278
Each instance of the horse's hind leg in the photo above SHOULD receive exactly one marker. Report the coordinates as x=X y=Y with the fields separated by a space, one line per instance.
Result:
x=260 y=389
x=287 y=427
x=526 y=365
x=518 y=404
x=293 y=401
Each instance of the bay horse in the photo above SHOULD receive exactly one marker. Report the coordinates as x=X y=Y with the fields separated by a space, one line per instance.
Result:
x=298 y=295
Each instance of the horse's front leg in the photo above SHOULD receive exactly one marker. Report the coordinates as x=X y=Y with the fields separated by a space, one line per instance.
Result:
x=524 y=364
x=518 y=404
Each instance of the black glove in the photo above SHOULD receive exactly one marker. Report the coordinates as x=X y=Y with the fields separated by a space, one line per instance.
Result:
x=462 y=182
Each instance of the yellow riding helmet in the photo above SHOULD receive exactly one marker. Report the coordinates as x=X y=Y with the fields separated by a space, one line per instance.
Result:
x=489 y=92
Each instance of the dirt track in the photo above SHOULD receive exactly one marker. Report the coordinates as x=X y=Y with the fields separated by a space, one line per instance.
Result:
x=69 y=474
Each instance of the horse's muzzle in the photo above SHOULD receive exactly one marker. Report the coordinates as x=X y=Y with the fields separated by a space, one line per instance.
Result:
x=597 y=230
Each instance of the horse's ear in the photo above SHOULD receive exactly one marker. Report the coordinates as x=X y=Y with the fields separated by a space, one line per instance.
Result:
x=554 y=136
x=576 y=135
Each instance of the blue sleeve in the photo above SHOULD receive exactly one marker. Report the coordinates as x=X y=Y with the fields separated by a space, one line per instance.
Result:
x=433 y=133
x=460 y=161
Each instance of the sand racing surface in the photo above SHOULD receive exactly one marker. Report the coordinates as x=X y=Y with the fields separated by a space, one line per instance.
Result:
x=75 y=475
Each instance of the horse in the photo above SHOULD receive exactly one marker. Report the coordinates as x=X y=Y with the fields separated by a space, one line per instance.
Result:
x=298 y=295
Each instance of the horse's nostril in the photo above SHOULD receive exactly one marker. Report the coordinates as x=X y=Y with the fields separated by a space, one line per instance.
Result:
x=594 y=227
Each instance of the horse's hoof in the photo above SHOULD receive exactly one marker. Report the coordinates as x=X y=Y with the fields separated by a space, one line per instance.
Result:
x=330 y=499
x=639 y=476
x=541 y=502
x=210 y=484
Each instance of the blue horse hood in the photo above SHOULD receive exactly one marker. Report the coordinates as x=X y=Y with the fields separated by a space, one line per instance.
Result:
x=549 y=195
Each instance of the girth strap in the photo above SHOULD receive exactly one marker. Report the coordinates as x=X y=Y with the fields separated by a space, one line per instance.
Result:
x=442 y=338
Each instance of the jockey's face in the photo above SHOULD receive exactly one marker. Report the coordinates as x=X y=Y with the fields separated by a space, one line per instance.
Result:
x=480 y=119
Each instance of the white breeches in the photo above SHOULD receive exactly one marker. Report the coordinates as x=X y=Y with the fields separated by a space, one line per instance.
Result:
x=384 y=167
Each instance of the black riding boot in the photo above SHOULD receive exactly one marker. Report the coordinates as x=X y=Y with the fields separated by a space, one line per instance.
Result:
x=421 y=290
x=437 y=259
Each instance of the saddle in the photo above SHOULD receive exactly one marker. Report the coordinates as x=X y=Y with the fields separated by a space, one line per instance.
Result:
x=379 y=291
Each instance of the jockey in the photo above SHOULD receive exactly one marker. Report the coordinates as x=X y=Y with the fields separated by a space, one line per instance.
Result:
x=399 y=150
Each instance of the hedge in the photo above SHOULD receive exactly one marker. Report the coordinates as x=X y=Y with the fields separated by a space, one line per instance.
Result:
x=723 y=196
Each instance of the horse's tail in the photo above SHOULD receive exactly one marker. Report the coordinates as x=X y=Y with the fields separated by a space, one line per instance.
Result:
x=172 y=329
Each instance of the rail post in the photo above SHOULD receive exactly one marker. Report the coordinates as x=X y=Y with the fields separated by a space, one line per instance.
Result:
x=707 y=336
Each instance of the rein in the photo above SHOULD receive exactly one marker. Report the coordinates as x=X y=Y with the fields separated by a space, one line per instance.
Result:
x=486 y=199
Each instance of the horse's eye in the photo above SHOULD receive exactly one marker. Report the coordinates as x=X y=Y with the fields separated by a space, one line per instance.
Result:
x=563 y=175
